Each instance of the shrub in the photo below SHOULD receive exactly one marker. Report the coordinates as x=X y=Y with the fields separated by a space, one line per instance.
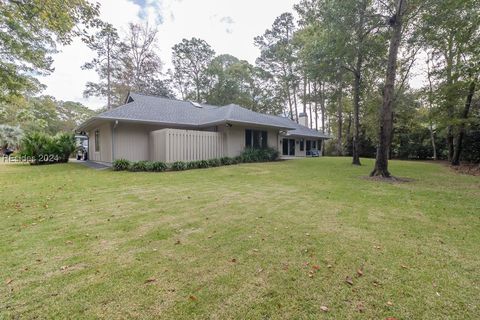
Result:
x=258 y=155
x=36 y=145
x=226 y=161
x=138 y=166
x=64 y=144
x=237 y=160
x=214 y=163
x=121 y=165
x=43 y=148
x=158 y=166
x=179 y=166
x=193 y=165
x=202 y=164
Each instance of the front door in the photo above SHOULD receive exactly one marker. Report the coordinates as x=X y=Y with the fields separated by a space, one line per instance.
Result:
x=285 y=147
x=291 y=146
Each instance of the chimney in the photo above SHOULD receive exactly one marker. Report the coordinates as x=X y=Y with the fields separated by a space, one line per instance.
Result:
x=303 y=119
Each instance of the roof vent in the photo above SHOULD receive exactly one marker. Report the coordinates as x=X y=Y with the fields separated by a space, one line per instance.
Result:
x=196 y=104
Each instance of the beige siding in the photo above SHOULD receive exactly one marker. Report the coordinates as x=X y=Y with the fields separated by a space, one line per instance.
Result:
x=170 y=145
x=131 y=141
x=105 y=136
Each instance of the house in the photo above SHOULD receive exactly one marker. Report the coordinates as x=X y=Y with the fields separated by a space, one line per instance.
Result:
x=168 y=130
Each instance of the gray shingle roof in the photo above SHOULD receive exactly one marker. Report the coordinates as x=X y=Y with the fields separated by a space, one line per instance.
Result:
x=184 y=113
x=300 y=130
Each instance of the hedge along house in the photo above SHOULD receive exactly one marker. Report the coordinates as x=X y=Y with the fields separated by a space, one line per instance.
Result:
x=169 y=130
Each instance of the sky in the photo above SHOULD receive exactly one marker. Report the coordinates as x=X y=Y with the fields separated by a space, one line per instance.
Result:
x=229 y=26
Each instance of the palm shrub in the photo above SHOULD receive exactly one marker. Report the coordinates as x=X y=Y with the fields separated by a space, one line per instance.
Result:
x=214 y=163
x=158 y=166
x=121 y=165
x=193 y=165
x=258 y=155
x=202 y=164
x=226 y=161
x=35 y=145
x=179 y=166
x=63 y=145
x=138 y=166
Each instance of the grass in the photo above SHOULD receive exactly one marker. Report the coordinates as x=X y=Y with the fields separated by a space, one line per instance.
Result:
x=253 y=241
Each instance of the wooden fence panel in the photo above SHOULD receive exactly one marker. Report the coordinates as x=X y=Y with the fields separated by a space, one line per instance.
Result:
x=170 y=145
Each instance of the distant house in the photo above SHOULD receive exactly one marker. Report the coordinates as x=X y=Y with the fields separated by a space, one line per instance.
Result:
x=168 y=130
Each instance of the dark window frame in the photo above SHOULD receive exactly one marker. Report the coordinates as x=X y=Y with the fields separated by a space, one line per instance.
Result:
x=97 y=140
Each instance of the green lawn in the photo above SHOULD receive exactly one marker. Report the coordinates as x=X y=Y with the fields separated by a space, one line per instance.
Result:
x=253 y=241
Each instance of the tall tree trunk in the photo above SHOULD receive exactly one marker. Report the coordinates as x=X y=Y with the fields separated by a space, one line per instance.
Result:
x=305 y=94
x=295 y=102
x=430 y=107
x=386 y=112
x=322 y=105
x=340 y=122
x=290 y=103
x=449 y=97
x=109 y=83
x=357 y=84
x=315 y=92
x=356 y=114
x=461 y=131
x=310 y=104
x=348 y=136
x=432 y=139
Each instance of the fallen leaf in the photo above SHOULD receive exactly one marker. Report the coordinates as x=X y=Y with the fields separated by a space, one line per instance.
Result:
x=150 y=280
x=329 y=266
x=68 y=242
x=389 y=303
x=349 y=280
x=404 y=266
x=391 y=318
x=307 y=234
x=8 y=281
x=360 y=307
x=255 y=250
x=324 y=308
x=63 y=268
x=192 y=298
x=316 y=267
x=359 y=272
x=177 y=242
x=233 y=260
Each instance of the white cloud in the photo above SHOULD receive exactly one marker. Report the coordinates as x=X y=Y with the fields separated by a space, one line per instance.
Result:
x=232 y=30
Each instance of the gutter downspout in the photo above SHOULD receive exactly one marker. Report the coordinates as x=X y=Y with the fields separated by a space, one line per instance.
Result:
x=113 y=139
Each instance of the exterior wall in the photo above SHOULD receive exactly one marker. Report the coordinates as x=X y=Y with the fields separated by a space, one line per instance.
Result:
x=170 y=145
x=105 y=137
x=132 y=141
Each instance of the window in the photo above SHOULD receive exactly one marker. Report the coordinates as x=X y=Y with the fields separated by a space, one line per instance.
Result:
x=256 y=139
x=97 y=141
x=302 y=145
x=314 y=144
